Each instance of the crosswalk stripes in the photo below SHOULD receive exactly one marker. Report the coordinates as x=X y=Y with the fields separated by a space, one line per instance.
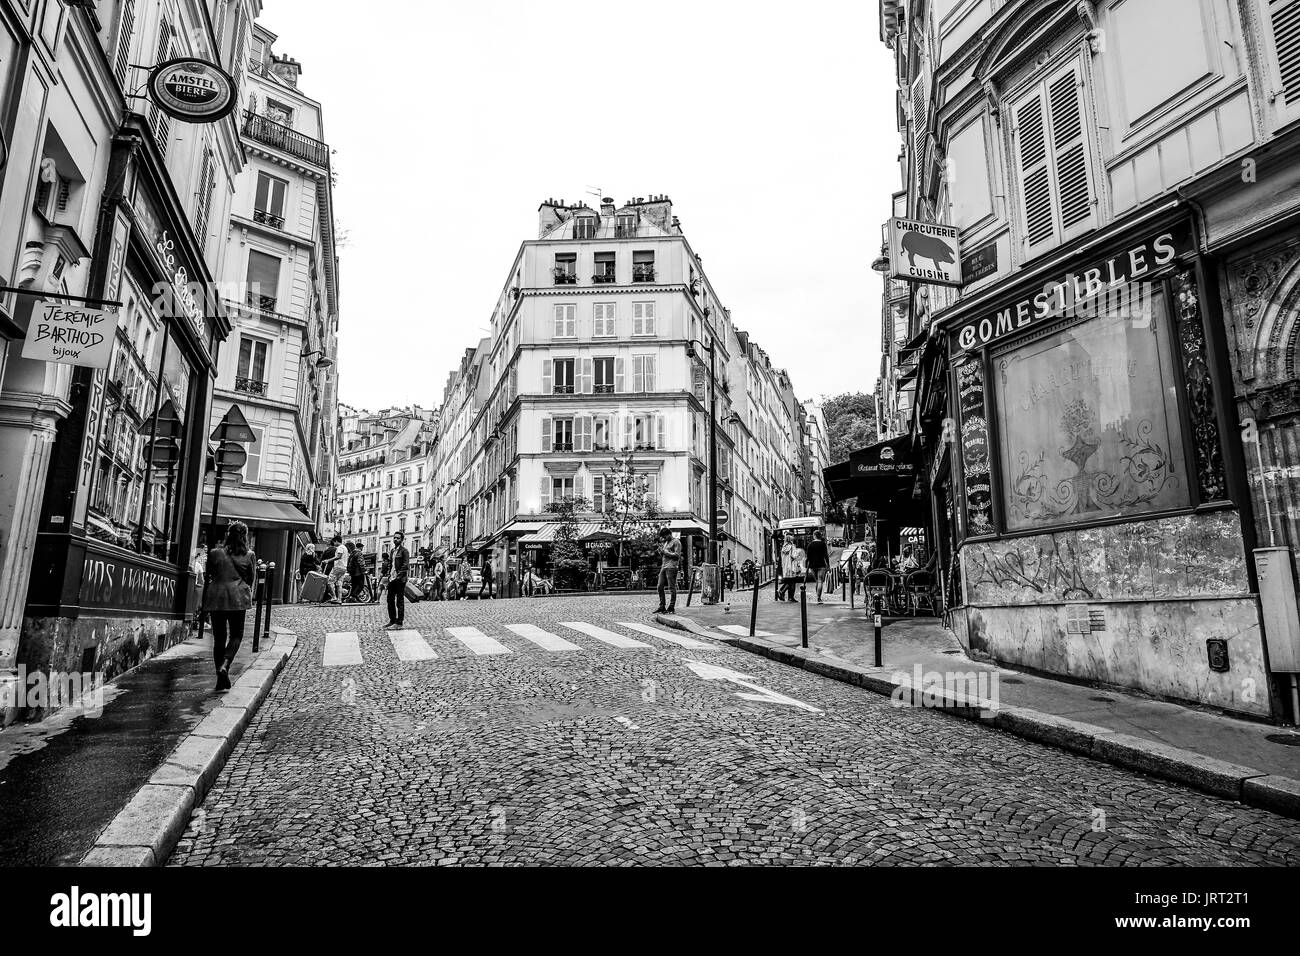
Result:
x=741 y=631
x=477 y=641
x=600 y=634
x=543 y=639
x=410 y=646
x=342 y=648
x=677 y=639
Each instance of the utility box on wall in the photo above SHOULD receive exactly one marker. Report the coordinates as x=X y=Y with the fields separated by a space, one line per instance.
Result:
x=1277 y=598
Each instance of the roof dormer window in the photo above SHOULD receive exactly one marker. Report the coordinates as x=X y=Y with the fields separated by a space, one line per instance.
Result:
x=584 y=227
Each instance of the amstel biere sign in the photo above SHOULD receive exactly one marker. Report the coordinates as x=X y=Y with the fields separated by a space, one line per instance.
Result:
x=194 y=91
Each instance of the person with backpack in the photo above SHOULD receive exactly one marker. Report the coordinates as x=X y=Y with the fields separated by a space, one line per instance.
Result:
x=819 y=561
x=397 y=584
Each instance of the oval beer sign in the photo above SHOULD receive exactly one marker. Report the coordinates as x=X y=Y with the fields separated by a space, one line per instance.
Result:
x=194 y=91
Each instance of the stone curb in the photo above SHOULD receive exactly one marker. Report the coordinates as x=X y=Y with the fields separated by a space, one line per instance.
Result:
x=1273 y=792
x=146 y=830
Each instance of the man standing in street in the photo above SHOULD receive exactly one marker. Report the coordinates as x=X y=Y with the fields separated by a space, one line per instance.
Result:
x=670 y=551
x=397 y=582
x=819 y=561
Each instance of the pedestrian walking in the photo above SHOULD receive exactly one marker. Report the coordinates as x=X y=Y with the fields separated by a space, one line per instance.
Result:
x=338 y=568
x=670 y=553
x=306 y=565
x=229 y=574
x=489 y=572
x=819 y=561
x=794 y=567
x=357 y=569
x=397 y=583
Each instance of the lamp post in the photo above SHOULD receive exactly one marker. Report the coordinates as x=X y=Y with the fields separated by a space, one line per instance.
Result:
x=709 y=579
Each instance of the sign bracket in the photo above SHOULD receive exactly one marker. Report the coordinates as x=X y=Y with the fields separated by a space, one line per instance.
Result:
x=59 y=295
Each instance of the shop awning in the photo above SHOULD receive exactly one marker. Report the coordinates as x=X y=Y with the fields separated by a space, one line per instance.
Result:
x=587 y=531
x=478 y=544
x=883 y=476
x=258 y=512
x=520 y=526
x=688 y=525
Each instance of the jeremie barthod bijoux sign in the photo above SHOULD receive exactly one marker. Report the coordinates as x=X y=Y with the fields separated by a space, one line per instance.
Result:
x=193 y=91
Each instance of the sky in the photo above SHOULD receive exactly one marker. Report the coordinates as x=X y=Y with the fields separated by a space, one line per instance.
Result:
x=770 y=126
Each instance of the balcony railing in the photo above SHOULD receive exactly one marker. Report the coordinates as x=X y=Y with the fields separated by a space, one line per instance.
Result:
x=624 y=231
x=565 y=278
x=266 y=303
x=268 y=219
x=562 y=389
x=602 y=446
x=604 y=389
x=268 y=131
x=603 y=277
x=563 y=446
x=643 y=274
x=250 y=385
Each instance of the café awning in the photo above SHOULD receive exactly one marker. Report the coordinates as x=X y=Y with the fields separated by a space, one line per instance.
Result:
x=258 y=512
x=883 y=476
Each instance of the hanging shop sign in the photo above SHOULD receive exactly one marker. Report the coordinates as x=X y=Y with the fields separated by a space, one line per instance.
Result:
x=460 y=526
x=974 y=443
x=193 y=91
x=924 y=252
x=71 y=334
x=1111 y=286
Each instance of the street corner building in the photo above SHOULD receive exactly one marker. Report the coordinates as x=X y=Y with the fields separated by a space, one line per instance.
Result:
x=108 y=199
x=1102 y=417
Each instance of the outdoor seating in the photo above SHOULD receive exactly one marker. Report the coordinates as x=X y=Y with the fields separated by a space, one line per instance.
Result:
x=918 y=588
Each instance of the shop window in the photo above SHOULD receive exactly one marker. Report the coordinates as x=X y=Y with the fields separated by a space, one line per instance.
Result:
x=1089 y=422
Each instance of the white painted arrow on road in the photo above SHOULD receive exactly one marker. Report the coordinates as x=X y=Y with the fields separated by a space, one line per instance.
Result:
x=760 y=694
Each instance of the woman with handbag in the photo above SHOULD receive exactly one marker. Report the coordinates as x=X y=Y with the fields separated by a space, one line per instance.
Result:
x=227 y=596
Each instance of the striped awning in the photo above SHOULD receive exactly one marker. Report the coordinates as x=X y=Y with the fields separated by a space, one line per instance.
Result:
x=587 y=530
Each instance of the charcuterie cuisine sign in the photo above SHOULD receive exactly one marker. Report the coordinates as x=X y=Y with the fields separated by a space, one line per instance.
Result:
x=924 y=252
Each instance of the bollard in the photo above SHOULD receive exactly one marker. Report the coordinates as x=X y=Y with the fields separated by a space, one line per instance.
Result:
x=803 y=612
x=259 y=591
x=753 y=611
x=879 y=624
x=690 y=589
x=853 y=585
x=270 y=599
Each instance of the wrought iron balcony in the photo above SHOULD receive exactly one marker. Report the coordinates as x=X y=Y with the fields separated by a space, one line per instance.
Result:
x=643 y=274
x=603 y=389
x=562 y=389
x=603 y=277
x=268 y=219
x=565 y=278
x=624 y=230
x=563 y=446
x=268 y=131
x=250 y=385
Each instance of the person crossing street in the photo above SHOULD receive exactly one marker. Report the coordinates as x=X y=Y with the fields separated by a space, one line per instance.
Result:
x=397 y=582
x=670 y=550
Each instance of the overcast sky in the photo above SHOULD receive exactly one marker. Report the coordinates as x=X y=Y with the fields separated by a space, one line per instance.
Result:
x=770 y=126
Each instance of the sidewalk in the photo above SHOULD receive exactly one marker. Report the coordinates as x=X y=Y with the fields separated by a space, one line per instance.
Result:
x=64 y=779
x=1108 y=718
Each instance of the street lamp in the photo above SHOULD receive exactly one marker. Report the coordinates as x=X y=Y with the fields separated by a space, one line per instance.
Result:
x=322 y=362
x=709 y=582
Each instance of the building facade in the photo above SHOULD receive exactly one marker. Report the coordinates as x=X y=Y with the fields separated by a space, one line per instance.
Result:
x=597 y=362
x=104 y=196
x=1122 y=175
x=280 y=283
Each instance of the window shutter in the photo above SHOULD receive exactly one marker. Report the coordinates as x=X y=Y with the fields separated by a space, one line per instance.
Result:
x=661 y=429
x=920 y=116
x=650 y=373
x=548 y=366
x=162 y=122
x=628 y=425
x=578 y=487
x=546 y=434
x=124 y=42
x=1069 y=144
x=586 y=375
x=584 y=433
x=1284 y=16
x=598 y=494
x=545 y=491
x=514 y=382
x=620 y=384
x=648 y=319
x=638 y=373
x=1031 y=142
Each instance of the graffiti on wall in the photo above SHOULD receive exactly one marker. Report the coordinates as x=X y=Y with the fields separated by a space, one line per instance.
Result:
x=1166 y=558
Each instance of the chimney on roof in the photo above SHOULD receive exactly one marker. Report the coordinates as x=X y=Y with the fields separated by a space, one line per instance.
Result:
x=607 y=206
x=549 y=215
x=287 y=69
x=659 y=210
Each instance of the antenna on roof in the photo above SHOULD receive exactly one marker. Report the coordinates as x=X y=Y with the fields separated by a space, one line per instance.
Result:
x=595 y=191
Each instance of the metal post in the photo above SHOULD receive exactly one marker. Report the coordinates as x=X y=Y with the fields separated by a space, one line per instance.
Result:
x=753 y=611
x=879 y=624
x=216 y=503
x=259 y=582
x=270 y=599
x=853 y=584
x=712 y=552
x=690 y=586
x=803 y=612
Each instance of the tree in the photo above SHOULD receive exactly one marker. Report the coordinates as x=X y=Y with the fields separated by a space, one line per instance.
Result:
x=850 y=421
x=630 y=512
x=568 y=563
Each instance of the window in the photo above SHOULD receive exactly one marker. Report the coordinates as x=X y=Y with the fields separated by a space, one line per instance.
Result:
x=388 y=526
x=1089 y=423
x=263 y=280
x=419 y=498
x=602 y=433
x=603 y=369
x=599 y=500
x=253 y=466
x=643 y=373
x=1051 y=158
x=203 y=204
x=604 y=319
x=559 y=373
x=401 y=522
x=584 y=227
x=561 y=488
x=388 y=502
x=643 y=318
x=604 y=267
x=647 y=432
x=562 y=434
x=566 y=321
x=643 y=267
x=967 y=171
x=405 y=477
x=625 y=227
x=403 y=505
x=268 y=206
x=278 y=112
x=250 y=376
x=566 y=268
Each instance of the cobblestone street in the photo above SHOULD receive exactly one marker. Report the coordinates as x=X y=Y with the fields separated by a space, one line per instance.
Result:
x=561 y=731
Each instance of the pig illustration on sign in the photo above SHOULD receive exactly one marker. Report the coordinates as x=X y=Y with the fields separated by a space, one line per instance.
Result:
x=927 y=247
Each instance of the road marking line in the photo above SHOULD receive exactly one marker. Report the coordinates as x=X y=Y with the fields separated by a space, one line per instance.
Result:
x=741 y=631
x=677 y=639
x=410 y=646
x=627 y=723
x=600 y=634
x=477 y=641
x=543 y=639
x=341 y=649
